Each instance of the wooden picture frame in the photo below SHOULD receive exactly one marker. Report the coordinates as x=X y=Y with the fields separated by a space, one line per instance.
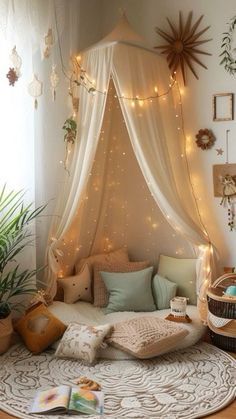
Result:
x=223 y=107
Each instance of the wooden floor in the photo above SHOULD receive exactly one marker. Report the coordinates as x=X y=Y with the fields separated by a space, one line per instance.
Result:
x=228 y=413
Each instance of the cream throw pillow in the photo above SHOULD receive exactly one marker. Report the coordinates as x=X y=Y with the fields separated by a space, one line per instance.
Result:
x=82 y=342
x=146 y=337
x=183 y=273
x=77 y=287
x=118 y=256
x=100 y=293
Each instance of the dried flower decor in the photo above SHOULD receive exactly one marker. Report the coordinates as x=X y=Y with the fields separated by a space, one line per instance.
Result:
x=205 y=139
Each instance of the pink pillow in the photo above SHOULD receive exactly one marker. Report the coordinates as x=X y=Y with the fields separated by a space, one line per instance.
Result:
x=100 y=293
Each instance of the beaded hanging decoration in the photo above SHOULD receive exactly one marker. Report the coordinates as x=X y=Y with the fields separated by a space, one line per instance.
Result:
x=229 y=192
x=48 y=41
x=54 y=80
x=228 y=183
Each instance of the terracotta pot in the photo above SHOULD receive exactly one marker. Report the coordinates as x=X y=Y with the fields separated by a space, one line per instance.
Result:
x=6 y=331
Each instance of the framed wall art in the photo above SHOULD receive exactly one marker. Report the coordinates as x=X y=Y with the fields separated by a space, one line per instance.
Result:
x=223 y=107
x=224 y=179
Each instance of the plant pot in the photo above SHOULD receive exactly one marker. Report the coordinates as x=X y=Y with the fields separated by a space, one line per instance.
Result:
x=6 y=331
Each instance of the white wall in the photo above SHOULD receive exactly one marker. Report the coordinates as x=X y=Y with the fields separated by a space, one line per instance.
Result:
x=144 y=16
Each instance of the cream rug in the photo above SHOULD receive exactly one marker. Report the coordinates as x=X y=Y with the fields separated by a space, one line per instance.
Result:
x=190 y=383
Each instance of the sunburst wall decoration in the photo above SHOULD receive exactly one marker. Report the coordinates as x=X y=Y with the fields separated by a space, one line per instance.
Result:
x=182 y=45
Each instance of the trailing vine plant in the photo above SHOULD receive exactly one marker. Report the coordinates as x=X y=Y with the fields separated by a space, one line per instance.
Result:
x=227 y=54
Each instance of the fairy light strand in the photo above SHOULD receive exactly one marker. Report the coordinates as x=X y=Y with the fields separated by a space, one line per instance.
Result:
x=82 y=75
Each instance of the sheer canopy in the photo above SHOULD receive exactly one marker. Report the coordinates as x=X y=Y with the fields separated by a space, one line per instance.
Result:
x=135 y=116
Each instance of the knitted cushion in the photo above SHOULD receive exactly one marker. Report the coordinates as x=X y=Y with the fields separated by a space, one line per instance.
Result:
x=146 y=337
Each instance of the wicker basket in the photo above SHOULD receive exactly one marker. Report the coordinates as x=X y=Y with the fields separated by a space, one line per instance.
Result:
x=224 y=307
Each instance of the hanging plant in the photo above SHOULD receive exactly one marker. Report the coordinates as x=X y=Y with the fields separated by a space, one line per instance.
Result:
x=228 y=52
x=70 y=128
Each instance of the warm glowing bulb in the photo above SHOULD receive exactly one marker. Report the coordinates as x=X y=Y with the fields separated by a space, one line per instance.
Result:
x=78 y=58
x=155 y=89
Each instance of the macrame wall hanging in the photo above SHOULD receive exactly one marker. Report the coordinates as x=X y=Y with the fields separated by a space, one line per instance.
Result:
x=224 y=178
x=35 y=89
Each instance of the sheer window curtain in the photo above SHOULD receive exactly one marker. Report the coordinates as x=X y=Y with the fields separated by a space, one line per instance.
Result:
x=16 y=110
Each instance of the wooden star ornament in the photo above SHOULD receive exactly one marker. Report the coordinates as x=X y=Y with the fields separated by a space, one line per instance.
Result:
x=182 y=45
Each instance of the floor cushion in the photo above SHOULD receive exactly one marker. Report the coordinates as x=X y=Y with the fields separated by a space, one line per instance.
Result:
x=146 y=337
x=88 y=314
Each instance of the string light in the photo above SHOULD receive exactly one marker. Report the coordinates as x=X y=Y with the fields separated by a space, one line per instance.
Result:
x=83 y=80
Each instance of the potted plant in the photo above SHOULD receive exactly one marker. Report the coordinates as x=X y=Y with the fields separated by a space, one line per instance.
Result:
x=15 y=236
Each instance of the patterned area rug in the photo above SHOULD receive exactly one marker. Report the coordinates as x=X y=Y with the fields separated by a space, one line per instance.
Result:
x=190 y=383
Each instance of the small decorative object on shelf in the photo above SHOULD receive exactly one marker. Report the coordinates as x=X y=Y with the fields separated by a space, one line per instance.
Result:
x=182 y=45
x=228 y=51
x=205 y=139
x=231 y=291
x=221 y=298
x=178 y=313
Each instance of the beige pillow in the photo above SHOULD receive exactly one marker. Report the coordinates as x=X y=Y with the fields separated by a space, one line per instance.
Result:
x=146 y=337
x=100 y=293
x=77 y=287
x=183 y=273
x=118 y=256
x=82 y=342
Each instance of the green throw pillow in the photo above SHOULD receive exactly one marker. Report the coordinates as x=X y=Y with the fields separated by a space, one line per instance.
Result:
x=129 y=291
x=163 y=291
x=183 y=273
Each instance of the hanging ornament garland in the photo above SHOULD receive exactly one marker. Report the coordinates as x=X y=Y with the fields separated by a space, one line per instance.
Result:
x=35 y=89
x=48 y=41
x=224 y=178
x=229 y=192
x=54 y=80
x=70 y=128
x=14 y=71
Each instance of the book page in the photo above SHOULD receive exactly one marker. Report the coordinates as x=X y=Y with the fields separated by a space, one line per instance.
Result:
x=51 y=399
x=86 y=401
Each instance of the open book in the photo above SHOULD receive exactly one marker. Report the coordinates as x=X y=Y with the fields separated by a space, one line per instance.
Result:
x=66 y=399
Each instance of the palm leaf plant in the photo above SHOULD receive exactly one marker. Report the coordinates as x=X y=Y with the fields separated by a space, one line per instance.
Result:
x=15 y=236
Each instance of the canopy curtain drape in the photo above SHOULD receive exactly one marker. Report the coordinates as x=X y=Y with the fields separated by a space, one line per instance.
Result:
x=90 y=117
x=159 y=146
x=157 y=141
